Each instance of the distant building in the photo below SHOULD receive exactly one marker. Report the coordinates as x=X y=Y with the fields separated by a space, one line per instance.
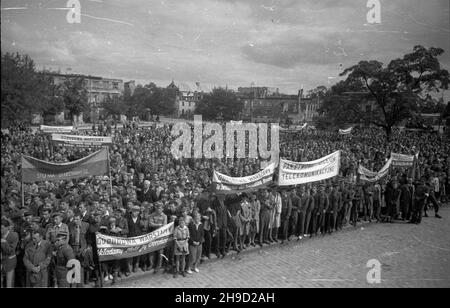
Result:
x=98 y=90
x=187 y=97
x=263 y=104
x=129 y=87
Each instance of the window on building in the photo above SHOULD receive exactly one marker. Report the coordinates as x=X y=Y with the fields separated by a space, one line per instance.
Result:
x=115 y=85
x=182 y=104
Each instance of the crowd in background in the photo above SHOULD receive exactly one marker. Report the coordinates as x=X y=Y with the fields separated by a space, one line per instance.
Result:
x=148 y=188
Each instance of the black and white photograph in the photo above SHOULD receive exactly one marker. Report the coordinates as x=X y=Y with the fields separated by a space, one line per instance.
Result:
x=225 y=149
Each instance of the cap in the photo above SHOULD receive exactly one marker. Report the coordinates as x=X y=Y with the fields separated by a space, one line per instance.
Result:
x=135 y=208
x=57 y=214
x=61 y=234
x=35 y=219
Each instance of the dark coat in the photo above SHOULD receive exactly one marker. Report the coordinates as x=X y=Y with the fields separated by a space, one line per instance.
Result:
x=134 y=229
x=83 y=237
x=196 y=234
x=9 y=246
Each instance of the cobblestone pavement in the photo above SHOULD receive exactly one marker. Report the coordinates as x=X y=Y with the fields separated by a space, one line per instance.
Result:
x=410 y=256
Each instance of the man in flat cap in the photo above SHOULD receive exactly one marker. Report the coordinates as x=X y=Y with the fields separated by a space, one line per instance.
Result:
x=38 y=255
x=134 y=229
x=421 y=196
x=156 y=220
x=57 y=227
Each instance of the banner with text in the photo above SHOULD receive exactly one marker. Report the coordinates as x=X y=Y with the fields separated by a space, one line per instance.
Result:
x=370 y=176
x=402 y=160
x=229 y=185
x=82 y=141
x=113 y=248
x=56 y=129
x=294 y=173
x=39 y=170
x=347 y=131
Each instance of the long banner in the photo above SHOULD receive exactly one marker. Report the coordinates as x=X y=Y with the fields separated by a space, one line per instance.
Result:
x=347 y=131
x=39 y=170
x=56 y=129
x=225 y=184
x=76 y=140
x=294 y=128
x=294 y=173
x=402 y=160
x=370 y=176
x=113 y=248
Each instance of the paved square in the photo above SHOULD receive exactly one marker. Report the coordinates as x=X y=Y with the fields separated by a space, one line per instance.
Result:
x=411 y=256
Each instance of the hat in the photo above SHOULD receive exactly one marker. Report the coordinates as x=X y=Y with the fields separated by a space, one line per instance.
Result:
x=27 y=213
x=97 y=213
x=135 y=208
x=61 y=234
x=57 y=214
x=36 y=219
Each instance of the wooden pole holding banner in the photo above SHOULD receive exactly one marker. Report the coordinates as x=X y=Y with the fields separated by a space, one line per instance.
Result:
x=109 y=169
x=23 y=194
x=21 y=183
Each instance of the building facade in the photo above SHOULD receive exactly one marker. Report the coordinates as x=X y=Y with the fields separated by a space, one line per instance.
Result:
x=98 y=90
x=187 y=97
x=262 y=104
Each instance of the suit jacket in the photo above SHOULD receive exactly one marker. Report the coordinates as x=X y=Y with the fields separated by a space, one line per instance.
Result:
x=9 y=245
x=41 y=255
x=196 y=234
x=86 y=217
x=53 y=231
x=149 y=196
x=134 y=229
x=83 y=237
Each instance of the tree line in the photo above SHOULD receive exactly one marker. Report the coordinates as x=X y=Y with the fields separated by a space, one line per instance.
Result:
x=371 y=93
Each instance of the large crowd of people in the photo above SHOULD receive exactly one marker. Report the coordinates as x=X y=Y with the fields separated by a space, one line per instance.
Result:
x=149 y=188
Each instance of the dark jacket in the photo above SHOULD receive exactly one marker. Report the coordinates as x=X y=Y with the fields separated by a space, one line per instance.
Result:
x=83 y=237
x=9 y=251
x=221 y=214
x=149 y=196
x=196 y=233
x=134 y=229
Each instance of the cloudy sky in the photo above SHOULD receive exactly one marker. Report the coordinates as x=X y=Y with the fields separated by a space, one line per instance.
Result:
x=276 y=43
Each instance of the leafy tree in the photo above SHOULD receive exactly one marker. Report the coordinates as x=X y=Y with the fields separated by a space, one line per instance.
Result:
x=114 y=106
x=395 y=89
x=75 y=96
x=318 y=92
x=26 y=91
x=220 y=101
x=53 y=103
x=158 y=100
x=20 y=85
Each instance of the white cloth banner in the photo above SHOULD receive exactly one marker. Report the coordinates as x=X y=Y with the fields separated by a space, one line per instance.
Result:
x=402 y=160
x=227 y=184
x=294 y=173
x=346 y=131
x=370 y=176
x=56 y=129
x=82 y=140
x=295 y=128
